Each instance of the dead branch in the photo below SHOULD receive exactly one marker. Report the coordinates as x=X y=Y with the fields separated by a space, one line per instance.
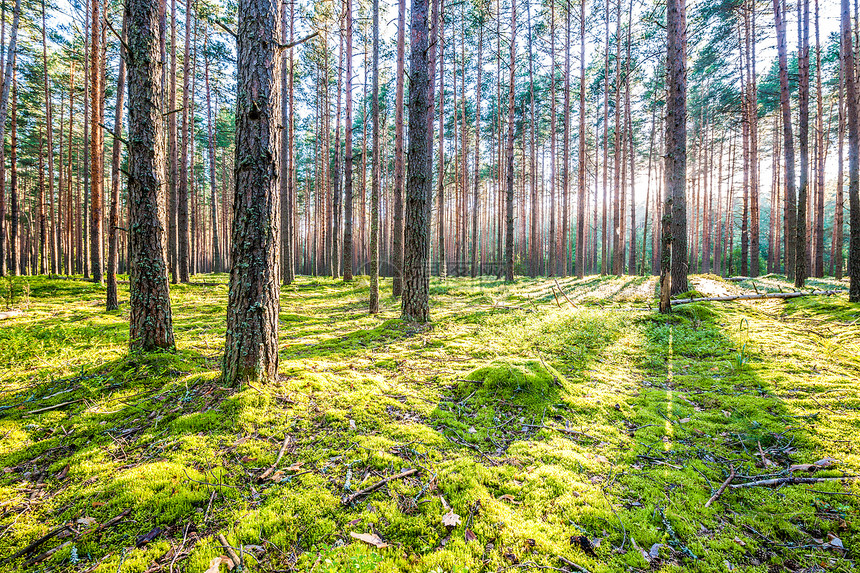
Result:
x=722 y=487
x=757 y=296
x=564 y=294
x=268 y=472
x=230 y=551
x=348 y=500
x=54 y=407
x=789 y=481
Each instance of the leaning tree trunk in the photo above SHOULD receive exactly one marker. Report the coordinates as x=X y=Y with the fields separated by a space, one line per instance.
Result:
x=415 y=301
x=676 y=141
x=151 y=324
x=251 y=350
x=116 y=157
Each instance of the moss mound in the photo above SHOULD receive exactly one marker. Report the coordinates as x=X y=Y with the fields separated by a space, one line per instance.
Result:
x=512 y=377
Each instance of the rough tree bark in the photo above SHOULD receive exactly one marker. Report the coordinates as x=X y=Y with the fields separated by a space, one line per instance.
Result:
x=415 y=301
x=116 y=157
x=151 y=324
x=347 y=171
x=788 y=141
x=374 y=184
x=182 y=247
x=676 y=143
x=847 y=56
x=800 y=252
x=251 y=349
x=397 y=239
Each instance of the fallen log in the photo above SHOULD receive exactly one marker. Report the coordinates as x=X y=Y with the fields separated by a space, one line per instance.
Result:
x=756 y=296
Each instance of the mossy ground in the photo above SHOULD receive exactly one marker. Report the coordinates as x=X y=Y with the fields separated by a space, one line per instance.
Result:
x=592 y=434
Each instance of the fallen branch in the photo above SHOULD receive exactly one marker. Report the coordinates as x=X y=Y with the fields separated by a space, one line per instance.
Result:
x=348 y=500
x=268 y=472
x=46 y=554
x=789 y=481
x=573 y=565
x=230 y=551
x=10 y=314
x=564 y=294
x=562 y=430
x=33 y=546
x=54 y=407
x=757 y=296
x=722 y=487
x=113 y=520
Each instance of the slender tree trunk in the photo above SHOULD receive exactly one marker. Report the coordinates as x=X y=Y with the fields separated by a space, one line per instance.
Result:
x=399 y=181
x=676 y=146
x=580 y=208
x=847 y=58
x=509 y=206
x=116 y=157
x=151 y=324
x=11 y=53
x=801 y=255
x=439 y=32
x=818 y=231
x=182 y=248
x=476 y=203
x=374 y=184
x=552 y=263
x=15 y=262
x=838 y=216
x=96 y=150
x=347 y=189
x=791 y=224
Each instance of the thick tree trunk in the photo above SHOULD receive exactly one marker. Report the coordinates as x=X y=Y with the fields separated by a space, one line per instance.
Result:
x=213 y=207
x=415 y=301
x=838 y=216
x=476 y=203
x=151 y=325
x=116 y=157
x=251 y=349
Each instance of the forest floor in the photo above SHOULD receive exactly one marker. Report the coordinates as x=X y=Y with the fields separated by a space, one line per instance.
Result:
x=543 y=436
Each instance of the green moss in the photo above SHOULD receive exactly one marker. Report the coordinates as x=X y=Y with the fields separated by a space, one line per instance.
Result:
x=539 y=420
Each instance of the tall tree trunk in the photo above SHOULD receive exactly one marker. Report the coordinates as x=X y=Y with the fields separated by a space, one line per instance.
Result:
x=580 y=213
x=415 y=301
x=251 y=349
x=847 y=56
x=374 y=184
x=96 y=150
x=347 y=188
x=509 y=206
x=554 y=249
x=838 y=216
x=676 y=143
x=399 y=181
x=182 y=251
x=151 y=323
x=438 y=29
x=173 y=152
x=289 y=258
x=820 y=145
x=801 y=255
x=216 y=242
x=791 y=224
x=11 y=53
x=15 y=261
x=476 y=203
x=116 y=157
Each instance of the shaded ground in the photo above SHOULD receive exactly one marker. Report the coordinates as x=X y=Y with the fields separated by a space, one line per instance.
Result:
x=545 y=436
